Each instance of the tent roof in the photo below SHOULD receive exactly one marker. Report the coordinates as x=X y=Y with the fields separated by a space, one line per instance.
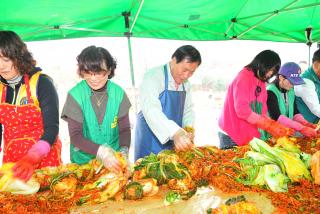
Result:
x=272 y=20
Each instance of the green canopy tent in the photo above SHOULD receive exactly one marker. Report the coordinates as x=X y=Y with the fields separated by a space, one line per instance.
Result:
x=272 y=20
x=202 y=20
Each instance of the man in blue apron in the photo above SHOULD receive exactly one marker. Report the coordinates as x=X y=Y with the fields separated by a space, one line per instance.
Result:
x=166 y=106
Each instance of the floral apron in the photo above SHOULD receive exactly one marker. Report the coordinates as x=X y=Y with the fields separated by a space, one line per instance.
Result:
x=23 y=127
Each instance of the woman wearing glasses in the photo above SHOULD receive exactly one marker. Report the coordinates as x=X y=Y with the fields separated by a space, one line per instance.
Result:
x=281 y=100
x=29 y=110
x=97 y=111
x=245 y=109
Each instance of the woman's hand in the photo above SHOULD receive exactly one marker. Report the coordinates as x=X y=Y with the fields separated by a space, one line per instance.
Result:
x=107 y=156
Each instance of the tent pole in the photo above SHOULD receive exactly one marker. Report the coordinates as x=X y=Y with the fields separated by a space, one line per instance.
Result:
x=285 y=9
x=272 y=14
x=128 y=34
x=131 y=63
x=308 y=31
x=136 y=17
x=132 y=76
x=309 y=57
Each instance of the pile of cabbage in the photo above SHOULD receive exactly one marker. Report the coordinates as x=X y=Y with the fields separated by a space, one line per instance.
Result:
x=164 y=168
x=274 y=167
x=8 y=183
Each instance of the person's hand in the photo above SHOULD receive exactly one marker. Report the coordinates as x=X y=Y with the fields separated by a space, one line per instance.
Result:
x=318 y=132
x=308 y=132
x=299 y=118
x=310 y=125
x=275 y=128
x=182 y=141
x=107 y=156
x=125 y=154
x=190 y=131
x=24 y=168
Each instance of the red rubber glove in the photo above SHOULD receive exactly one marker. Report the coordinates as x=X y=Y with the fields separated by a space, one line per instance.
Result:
x=299 y=118
x=276 y=129
x=308 y=132
x=25 y=167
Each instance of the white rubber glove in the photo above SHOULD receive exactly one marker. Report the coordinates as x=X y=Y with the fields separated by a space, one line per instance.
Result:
x=107 y=156
x=182 y=140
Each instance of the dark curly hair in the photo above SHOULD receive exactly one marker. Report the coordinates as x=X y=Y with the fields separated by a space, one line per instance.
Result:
x=12 y=47
x=95 y=59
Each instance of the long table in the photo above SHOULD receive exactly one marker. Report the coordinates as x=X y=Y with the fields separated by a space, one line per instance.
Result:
x=199 y=203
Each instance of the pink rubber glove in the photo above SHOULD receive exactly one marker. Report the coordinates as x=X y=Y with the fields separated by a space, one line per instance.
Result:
x=299 y=118
x=24 y=168
x=305 y=130
x=290 y=123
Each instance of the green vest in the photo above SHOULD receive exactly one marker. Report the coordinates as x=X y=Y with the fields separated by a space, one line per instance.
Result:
x=106 y=133
x=302 y=107
x=256 y=107
x=281 y=102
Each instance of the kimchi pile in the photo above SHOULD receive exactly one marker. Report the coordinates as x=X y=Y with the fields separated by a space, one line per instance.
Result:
x=62 y=188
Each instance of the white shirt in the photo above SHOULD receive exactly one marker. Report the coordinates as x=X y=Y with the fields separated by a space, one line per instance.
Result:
x=308 y=94
x=151 y=87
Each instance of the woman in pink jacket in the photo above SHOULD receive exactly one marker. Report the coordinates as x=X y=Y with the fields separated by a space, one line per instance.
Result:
x=245 y=108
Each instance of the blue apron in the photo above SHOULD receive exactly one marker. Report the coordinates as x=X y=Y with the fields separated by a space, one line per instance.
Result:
x=172 y=103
